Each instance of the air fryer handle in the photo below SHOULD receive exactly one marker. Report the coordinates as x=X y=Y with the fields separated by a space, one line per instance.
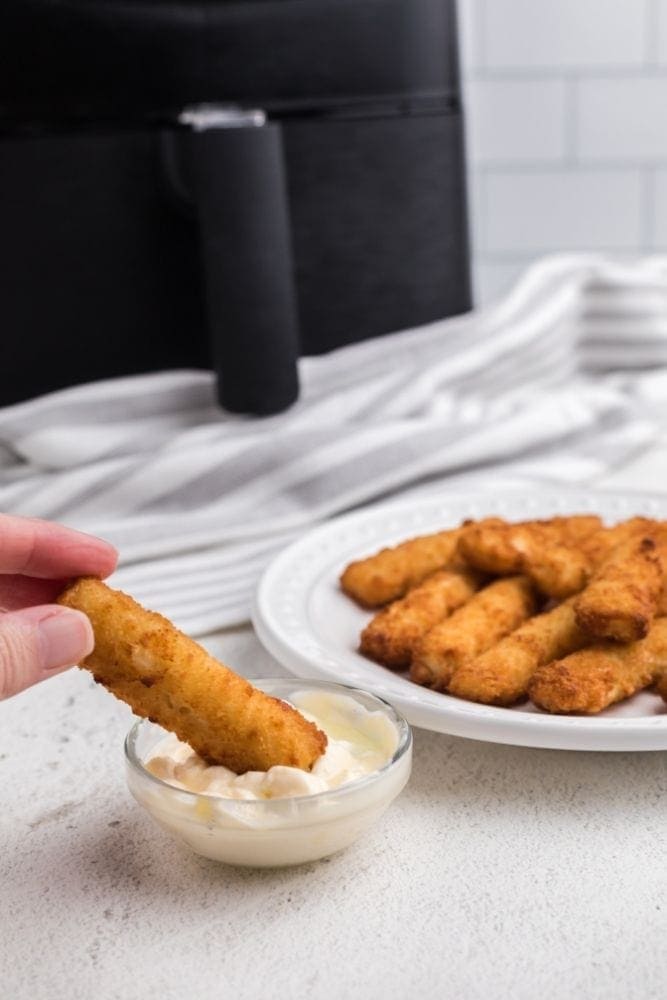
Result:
x=238 y=185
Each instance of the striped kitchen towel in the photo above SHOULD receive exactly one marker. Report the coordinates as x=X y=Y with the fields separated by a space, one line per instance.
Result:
x=558 y=382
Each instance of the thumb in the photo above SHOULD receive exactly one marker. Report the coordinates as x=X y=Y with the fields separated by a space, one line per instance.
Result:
x=36 y=643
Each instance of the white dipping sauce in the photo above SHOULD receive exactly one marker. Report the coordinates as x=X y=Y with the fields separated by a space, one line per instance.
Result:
x=359 y=742
x=282 y=816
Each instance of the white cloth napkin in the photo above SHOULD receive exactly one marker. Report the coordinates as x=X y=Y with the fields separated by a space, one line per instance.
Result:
x=560 y=381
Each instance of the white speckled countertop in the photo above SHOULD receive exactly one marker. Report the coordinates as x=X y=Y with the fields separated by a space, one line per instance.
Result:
x=499 y=873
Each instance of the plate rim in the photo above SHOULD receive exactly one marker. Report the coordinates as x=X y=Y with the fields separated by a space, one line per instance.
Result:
x=450 y=715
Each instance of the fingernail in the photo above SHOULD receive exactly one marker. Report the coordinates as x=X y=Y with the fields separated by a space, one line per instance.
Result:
x=66 y=637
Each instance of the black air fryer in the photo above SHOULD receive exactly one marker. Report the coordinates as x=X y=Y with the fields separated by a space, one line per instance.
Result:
x=223 y=185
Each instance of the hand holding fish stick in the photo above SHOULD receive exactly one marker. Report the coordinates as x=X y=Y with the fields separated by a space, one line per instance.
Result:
x=38 y=638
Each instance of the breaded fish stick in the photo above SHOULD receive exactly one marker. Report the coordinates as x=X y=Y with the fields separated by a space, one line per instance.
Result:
x=392 y=635
x=600 y=545
x=622 y=599
x=594 y=678
x=498 y=547
x=488 y=616
x=501 y=675
x=391 y=573
x=166 y=677
x=561 y=570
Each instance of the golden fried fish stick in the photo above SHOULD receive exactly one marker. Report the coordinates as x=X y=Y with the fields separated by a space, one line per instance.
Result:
x=501 y=675
x=561 y=570
x=622 y=599
x=557 y=571
x=594 y=678
x=591 y=552
x=489 y=615
x=600 y=544
x=496 y=546
x=166 y=677
x=487 y=546
x=391 y=573
x=574 y=528
x=392 y=635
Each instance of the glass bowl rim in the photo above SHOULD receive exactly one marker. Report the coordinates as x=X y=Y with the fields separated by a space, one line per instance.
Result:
x=404 y=744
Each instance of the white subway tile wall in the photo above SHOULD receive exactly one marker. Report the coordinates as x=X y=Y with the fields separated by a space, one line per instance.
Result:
x=566 y=105
x=622 y=120
x=546 y=210
x=564 y=34
x=516 y=120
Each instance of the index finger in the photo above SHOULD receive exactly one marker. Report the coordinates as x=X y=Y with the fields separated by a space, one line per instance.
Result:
x=43 y=549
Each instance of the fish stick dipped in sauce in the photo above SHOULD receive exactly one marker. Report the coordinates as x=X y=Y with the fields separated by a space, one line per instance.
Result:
x=391 y=573
x=593 y=678
x=167 y=677
x=487 y=617
x=391 y=636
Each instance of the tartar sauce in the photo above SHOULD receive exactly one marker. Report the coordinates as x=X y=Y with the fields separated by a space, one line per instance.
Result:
x=360 y=742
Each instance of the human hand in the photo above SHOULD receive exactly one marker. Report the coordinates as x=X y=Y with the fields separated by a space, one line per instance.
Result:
x=38 y=638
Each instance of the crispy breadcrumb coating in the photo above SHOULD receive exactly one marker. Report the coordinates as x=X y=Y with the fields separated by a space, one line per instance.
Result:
x=594 y=678
x=392 y=635
x=557 y=571
x=600 y=544
x=487 y=617
x=501 y=675
x=612 y=585
x=499 y=547
x=390 y=573
x=168 y=678
x=622 y=599
x=560 y=570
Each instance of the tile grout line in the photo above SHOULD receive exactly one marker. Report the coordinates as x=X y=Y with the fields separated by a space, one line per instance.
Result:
x=649 y=71
x=576 y=166
x=571 y=121
x=480 y=32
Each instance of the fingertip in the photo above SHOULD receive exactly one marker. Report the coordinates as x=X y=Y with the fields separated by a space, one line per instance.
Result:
x=85 y=629
x=38 y=642
x=110 y=562
x=102 y=554
x=66 y=637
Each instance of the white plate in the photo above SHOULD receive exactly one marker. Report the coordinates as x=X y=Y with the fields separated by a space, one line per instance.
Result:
x=306 y=622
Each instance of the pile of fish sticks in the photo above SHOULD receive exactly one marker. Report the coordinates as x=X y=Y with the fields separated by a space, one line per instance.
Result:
x=567 y=611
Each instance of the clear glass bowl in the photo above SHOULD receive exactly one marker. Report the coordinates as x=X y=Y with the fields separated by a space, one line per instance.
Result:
x=271 y=832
